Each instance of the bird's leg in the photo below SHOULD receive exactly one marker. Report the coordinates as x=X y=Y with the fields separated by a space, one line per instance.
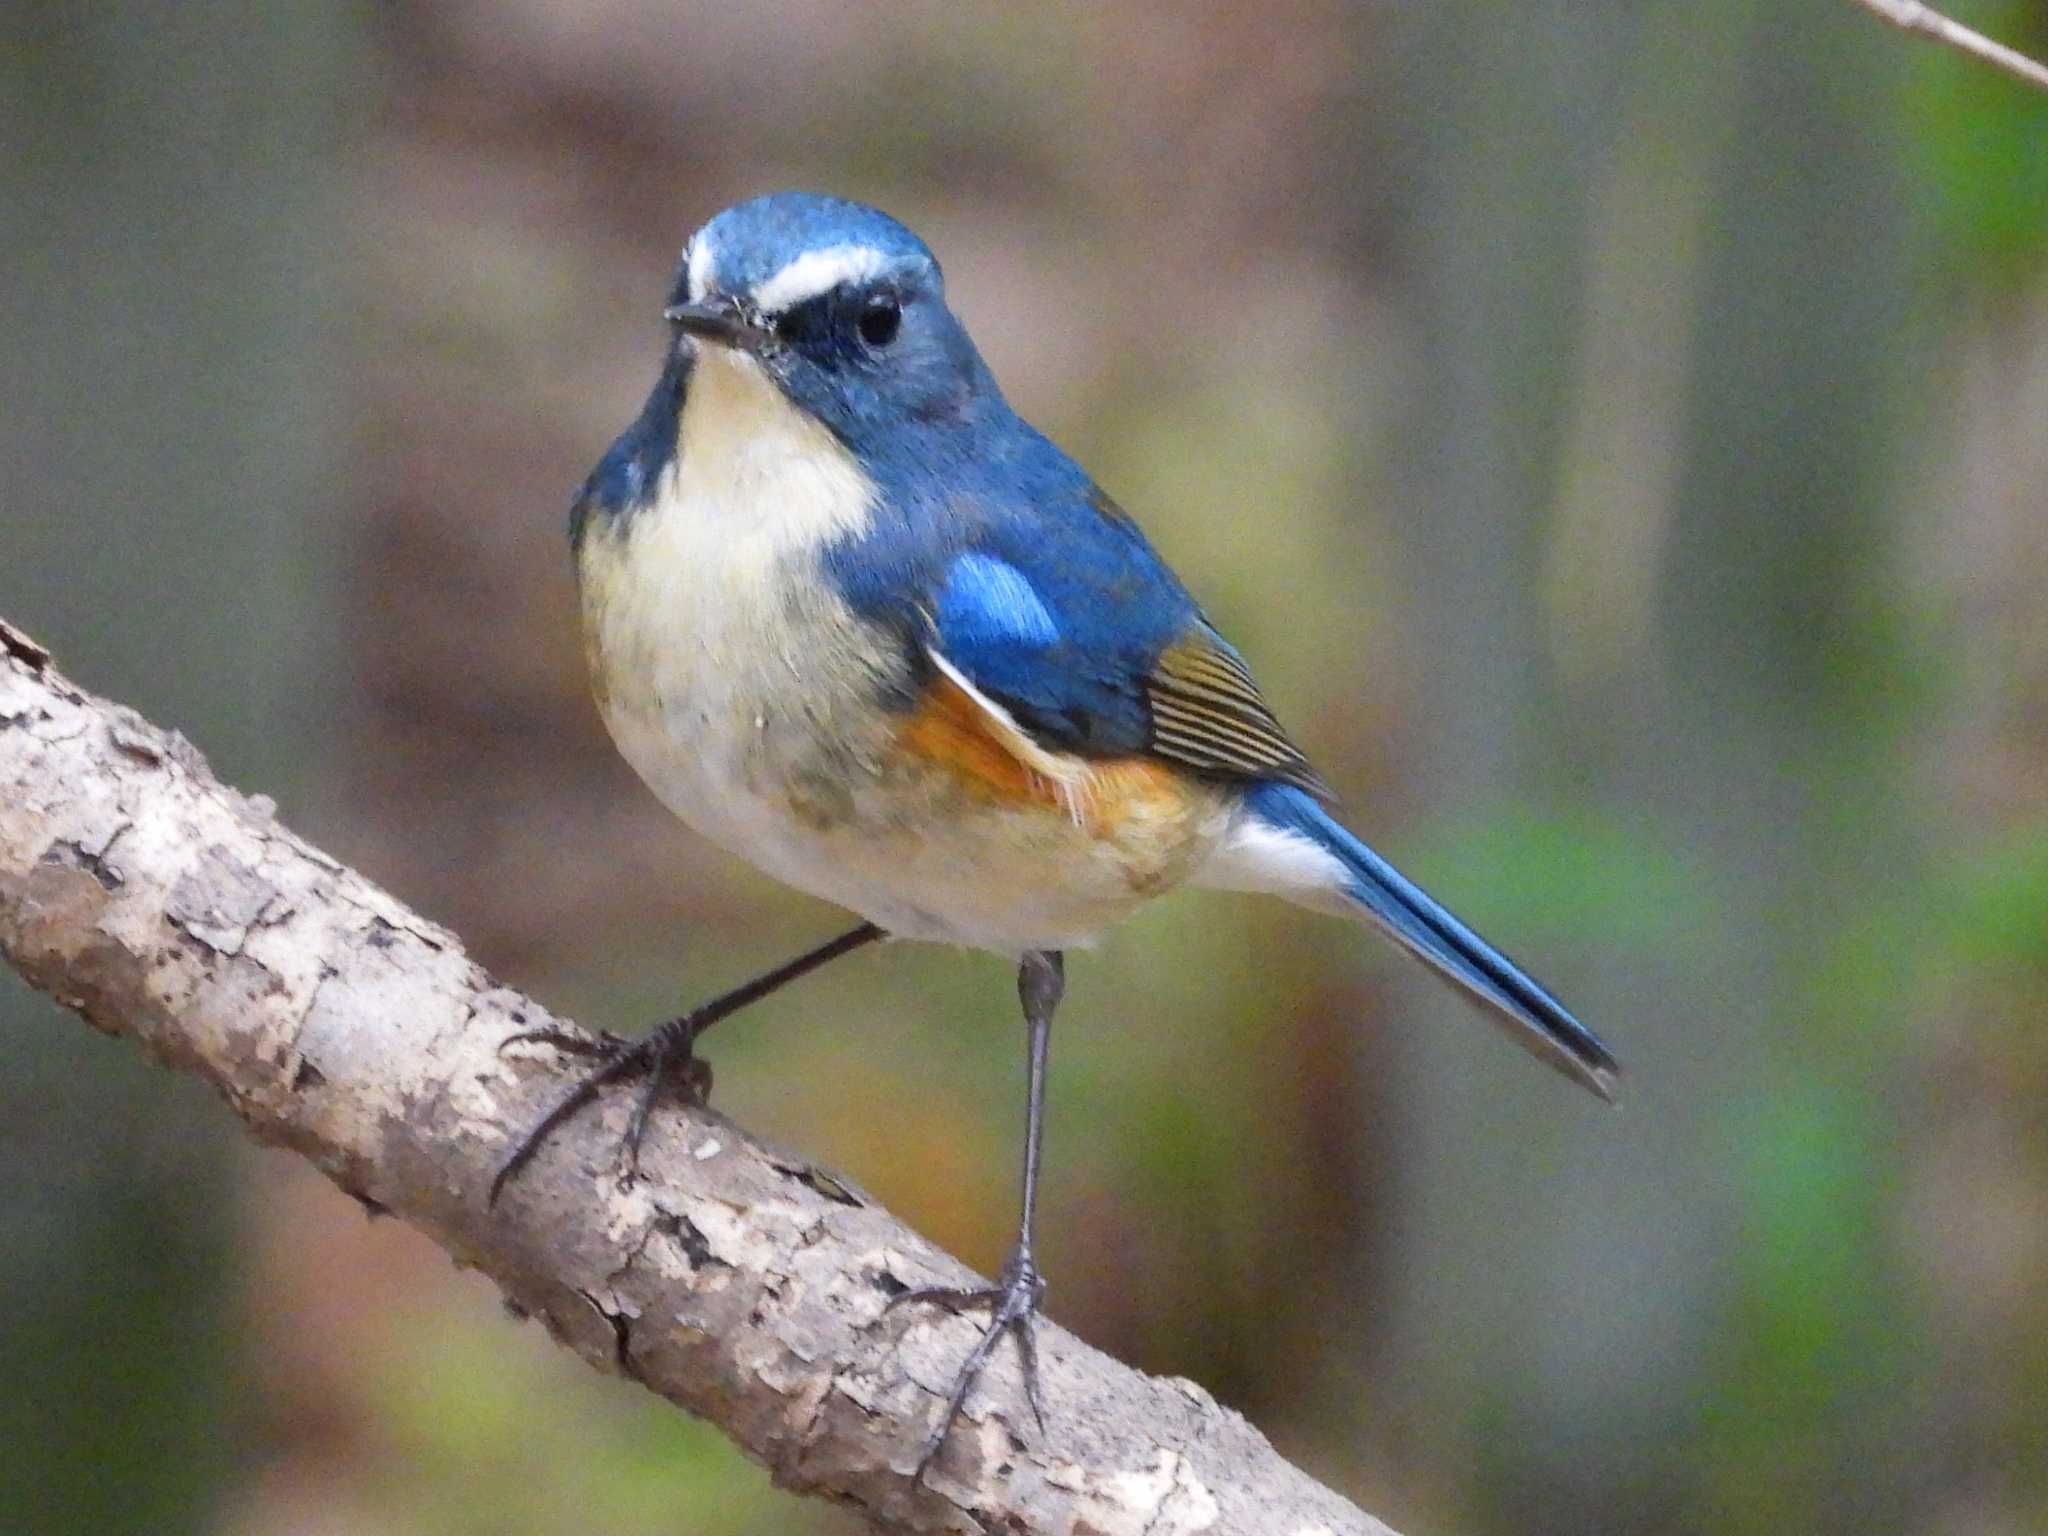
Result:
x=1013 y=1300
x=665 y=1055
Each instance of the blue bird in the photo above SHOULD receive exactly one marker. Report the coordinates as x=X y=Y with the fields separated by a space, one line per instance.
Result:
x=859 y=623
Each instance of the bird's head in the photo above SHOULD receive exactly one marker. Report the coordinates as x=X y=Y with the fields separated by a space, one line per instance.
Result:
x=840 y=305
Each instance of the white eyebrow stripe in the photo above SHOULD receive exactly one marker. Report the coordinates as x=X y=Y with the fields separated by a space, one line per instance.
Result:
x=699 y=266
x=817 y=272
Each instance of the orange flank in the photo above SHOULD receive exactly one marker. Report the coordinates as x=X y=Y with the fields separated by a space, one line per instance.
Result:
x=1108 y=797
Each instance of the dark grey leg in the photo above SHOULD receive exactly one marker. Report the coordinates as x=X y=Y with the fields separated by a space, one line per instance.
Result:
x=1013 y=1300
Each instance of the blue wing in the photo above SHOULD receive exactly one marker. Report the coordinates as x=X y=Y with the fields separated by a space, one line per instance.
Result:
x=1059 y=621
x=1048 y=599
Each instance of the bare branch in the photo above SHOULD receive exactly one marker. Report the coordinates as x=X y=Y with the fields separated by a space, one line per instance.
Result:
x=1912 y=16
x=737 y=1281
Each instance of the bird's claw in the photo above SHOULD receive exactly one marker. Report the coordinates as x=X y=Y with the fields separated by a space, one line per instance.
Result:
x=1013 y=1303
x=664 y=1058
x=570 y=1042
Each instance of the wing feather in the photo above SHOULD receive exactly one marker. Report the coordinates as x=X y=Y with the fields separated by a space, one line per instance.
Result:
x=1208 y=713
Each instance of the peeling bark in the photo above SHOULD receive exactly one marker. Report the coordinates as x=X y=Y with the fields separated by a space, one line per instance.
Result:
x=735 y=1280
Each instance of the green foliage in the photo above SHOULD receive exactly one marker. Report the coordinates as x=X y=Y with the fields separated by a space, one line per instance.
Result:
x=1995 y=909
x=1570 y=871
x=1979 y=141
x=508 y=1437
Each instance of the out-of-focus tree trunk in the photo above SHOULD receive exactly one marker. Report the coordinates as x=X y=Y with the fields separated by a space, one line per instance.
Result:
x=1635 y=579
x=163 y=281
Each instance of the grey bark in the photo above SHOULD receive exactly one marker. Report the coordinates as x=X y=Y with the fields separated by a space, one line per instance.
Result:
x=737 y=1281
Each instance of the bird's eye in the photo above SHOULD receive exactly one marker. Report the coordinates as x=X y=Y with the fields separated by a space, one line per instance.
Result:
x=880 y=319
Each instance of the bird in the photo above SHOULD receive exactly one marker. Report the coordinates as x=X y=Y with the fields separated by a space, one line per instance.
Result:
x=854 y=620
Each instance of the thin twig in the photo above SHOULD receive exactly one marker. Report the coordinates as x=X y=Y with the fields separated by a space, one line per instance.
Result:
x=1912 y=16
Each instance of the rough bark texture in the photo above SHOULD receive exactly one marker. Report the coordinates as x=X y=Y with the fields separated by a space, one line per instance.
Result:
x=736 y=1281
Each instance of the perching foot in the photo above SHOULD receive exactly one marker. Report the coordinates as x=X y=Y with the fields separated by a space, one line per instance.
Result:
x=1013 y=1307
x=665 y=1058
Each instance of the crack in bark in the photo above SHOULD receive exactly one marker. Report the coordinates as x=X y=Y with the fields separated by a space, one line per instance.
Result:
x=75 y=856
x=622 y=1333
x=23 y=649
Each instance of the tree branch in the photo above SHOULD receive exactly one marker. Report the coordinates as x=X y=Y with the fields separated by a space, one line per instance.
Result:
x=737 y=1281
x=1912 y=16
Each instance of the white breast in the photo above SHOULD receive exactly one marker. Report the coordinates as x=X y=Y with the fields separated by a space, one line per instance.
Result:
x=725 y=666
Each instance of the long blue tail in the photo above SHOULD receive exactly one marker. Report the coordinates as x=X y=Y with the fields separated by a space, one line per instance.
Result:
x=1536 y=1021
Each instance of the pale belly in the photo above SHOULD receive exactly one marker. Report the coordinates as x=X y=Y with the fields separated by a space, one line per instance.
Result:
x=917 y=859
x=754 y=707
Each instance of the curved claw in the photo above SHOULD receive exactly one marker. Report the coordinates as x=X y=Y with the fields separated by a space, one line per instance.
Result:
x=657 y=1056
x=663 y=1058
x=1013 y=1307
x=951 y=1297
x=580 y=1093
x=1026 y=1331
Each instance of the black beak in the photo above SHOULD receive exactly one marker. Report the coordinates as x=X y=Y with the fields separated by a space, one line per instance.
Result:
x=720 y=320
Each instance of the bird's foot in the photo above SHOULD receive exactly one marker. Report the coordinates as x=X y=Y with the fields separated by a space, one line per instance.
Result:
x=1013 y=1307
x=665 y=1058
x=570 y=1042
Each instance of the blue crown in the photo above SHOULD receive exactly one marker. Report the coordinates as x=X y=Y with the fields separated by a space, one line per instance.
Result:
x=750 y=242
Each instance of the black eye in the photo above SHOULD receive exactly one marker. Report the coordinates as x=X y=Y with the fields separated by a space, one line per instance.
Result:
x=880 y=319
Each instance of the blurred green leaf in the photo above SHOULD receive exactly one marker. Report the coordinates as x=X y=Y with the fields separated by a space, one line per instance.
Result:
x=1571 y=871
x=1979 y=141
x=1995 y=906
x=474 y=1425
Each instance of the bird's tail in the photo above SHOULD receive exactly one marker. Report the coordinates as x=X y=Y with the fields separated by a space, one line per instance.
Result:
x=1288 y=844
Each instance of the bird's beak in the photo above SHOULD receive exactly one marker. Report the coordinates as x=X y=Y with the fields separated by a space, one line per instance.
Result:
x=722 y=321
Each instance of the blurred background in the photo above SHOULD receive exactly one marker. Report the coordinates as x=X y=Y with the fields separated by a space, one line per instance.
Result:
x=1615 y=432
